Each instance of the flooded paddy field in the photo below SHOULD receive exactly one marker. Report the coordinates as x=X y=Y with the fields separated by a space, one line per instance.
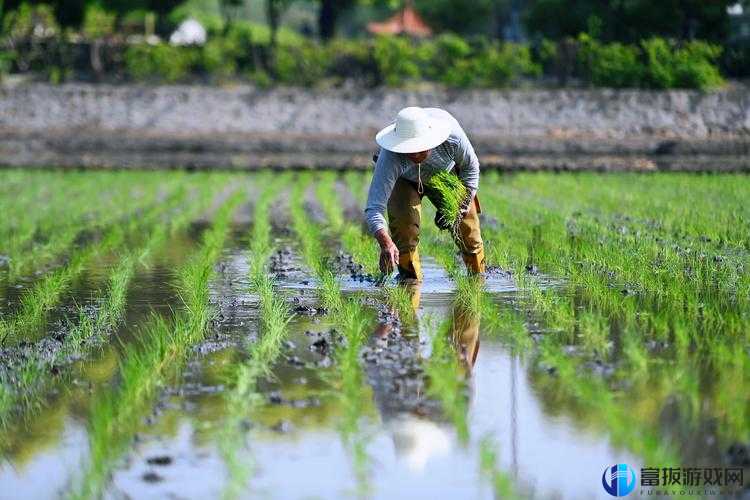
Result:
x=201 y=335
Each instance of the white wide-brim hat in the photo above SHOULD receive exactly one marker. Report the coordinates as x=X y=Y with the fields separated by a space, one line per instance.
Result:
x=413 y=131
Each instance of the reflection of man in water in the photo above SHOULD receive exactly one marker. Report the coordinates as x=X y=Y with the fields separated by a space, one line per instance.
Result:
x=465 y=331
x=464 y=327
x=395 y=372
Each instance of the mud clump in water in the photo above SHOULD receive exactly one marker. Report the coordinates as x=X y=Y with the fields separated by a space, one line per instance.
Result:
x=345 y=264
x=162 y=460
x=276 y=398
x=152 y=477
x=309 y=310
x=280 y=263
x=324 y=343
x=498 y=271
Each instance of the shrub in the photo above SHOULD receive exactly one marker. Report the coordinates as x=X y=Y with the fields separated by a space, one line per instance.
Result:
x=25 y=31
x=300 y=64
x=660 y=71
x=97 y=22
x=138 y=21
x=396 y=60
x=696 y=66
x=610 y=65
x=494 y=66
x=6 y=62
x=260 y=78
x=352 y=59
x=30 y=21
x=159 y=62
x=219 y=57
x=443 y=55
x=508 y=62
x=690 y=66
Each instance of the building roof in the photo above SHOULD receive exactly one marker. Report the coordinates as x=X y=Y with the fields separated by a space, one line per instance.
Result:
x=407 y=21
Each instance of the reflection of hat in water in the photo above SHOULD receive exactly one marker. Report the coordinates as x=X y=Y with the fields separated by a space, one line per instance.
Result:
x=413 y=131
x=416 y=440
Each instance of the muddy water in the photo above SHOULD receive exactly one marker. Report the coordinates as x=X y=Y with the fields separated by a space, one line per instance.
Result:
x=48 y=440
x=295 y=443
x=298 y=444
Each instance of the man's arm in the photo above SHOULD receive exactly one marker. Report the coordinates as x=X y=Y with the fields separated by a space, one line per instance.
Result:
x=467 y=163
x=381 y=186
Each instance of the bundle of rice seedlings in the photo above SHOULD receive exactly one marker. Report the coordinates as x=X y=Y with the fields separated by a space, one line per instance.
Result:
x=448 y=194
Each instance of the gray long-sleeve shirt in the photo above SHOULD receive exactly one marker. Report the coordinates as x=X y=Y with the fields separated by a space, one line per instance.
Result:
x=456 y=151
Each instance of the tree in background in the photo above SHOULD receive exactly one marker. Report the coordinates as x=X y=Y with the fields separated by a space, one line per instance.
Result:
x=274 y=10
x=328 y=15
x=98 y=24
x=71 y=13
x=630 y=20
x=459 y=16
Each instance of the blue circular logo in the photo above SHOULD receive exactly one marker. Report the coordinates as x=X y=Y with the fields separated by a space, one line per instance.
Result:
x=618 y=480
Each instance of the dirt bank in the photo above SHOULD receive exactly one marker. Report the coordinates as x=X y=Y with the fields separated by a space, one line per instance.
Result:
x=245 y=127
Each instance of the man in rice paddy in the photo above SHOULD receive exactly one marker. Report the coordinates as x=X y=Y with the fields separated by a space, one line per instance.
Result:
x=424 y=152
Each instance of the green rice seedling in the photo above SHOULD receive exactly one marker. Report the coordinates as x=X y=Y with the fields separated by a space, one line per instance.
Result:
x=274 y=317
x=46 y=293
x=28 y=388
x=502 y=485
x=353 y=319
x=448 y=194
x=469 y=289
x=356 y=182
x=354 y=393
x=313 y=249
x=160 y=353
x=637 y=279
x=106 y=202
x=629 y=422
x=504 y=323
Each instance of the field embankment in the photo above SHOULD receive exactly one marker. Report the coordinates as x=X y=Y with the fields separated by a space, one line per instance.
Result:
x=245 y=127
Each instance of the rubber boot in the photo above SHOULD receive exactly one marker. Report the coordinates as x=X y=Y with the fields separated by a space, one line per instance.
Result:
x=409 y=266
x=474 y=262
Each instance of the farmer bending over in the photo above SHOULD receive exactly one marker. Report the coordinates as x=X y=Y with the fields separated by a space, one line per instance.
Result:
x=421 y=143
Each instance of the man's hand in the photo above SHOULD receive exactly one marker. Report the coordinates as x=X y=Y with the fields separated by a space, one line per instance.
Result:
x=388 y=259
x=388 y=252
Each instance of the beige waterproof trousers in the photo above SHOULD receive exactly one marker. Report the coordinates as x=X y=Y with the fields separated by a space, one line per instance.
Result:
x=404 y=219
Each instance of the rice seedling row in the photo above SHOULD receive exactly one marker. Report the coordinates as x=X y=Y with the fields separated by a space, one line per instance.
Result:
x=274 y=315
x=37 y=302
x=603 y=323
x=84 y=209
x=351 y=318
x=159 y=353
x=29 y=381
